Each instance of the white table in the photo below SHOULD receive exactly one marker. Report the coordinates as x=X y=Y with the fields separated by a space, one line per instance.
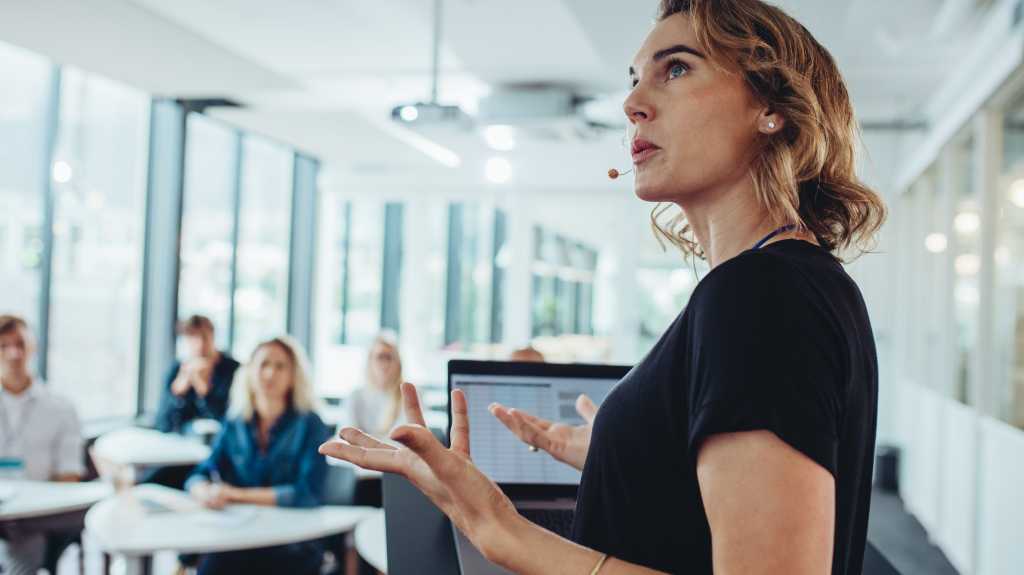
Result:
x=33 y=499
x=361 y=473
x=149 y=518
x=139 y=447
x=371 y=541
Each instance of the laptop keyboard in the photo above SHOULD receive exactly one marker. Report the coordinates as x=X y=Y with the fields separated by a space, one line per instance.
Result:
x=557 y=520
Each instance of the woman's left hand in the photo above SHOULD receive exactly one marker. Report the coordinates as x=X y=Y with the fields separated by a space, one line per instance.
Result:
x=448 y=477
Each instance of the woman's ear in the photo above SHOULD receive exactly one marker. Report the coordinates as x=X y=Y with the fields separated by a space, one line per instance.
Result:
x=769 y=122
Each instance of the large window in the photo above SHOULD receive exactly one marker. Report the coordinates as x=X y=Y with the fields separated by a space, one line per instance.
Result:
x=467 y=308
x=74 y=155
x=499 y=264
x=586 y=263
x=425 y=291
x=207 y=226
x=1009 y=259
x=663 y=292
x=563 y=285
x=261 y=295
x=364 y=267
x=544 y=270
x=100 y=183
x=24 y=104
x=931 y=242
x=966 y=262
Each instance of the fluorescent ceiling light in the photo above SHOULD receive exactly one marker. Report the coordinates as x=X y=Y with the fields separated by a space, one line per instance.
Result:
x=967 y=222
x=967 y=265
x=1017 y=193
x=62 y=172
x=501 y=138
x=936 y=243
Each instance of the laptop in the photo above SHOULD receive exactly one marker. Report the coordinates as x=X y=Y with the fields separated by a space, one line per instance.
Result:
x=542 y=489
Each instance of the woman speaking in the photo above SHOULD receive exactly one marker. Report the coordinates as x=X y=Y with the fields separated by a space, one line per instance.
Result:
x=743 y=442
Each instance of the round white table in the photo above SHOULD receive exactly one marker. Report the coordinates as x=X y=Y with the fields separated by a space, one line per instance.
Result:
x=371 y=541
x=361 y=473
x=149 y=518
x=139 y=447
x=33 y=499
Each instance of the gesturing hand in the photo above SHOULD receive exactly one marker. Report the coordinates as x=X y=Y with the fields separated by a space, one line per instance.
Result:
x=566 y=443
x=447 y=476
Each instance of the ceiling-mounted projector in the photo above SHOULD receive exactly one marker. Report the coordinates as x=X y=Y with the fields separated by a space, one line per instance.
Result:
x=432 y=112
x=428 y=113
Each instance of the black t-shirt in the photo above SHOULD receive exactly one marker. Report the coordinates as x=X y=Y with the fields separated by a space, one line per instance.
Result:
x=774 y=339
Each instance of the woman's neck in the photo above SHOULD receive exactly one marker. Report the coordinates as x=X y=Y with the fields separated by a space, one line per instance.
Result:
x=270 y=409
x=731 y=223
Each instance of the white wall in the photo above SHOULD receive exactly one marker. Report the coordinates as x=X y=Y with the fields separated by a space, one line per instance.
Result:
x=962 y=477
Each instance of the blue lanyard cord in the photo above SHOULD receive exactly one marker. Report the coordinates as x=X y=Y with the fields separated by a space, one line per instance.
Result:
x=781 y=230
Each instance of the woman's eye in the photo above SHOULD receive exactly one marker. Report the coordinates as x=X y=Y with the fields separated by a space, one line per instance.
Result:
x=676 y=70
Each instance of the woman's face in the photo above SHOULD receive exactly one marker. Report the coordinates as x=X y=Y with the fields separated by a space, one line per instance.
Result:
x=383 y=363
x=275 y=375
x=693 y=125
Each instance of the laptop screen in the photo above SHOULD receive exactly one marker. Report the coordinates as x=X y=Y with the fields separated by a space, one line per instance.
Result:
x=495 y=449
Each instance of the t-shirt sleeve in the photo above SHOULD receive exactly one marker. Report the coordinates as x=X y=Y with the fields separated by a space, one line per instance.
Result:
x=765 y=357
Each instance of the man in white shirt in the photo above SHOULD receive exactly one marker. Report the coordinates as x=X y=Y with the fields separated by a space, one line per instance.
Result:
x=40 y=435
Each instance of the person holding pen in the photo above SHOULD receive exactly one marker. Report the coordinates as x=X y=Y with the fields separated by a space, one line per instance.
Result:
x=266 y=455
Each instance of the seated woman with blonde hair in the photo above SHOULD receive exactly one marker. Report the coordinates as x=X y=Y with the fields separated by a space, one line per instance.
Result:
x=266 y=455
x=376 y=404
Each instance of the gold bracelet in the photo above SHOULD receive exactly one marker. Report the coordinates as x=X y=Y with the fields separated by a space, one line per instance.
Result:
x=600 y=563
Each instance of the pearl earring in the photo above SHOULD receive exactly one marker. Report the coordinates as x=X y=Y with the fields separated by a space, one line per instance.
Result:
x=771 y=125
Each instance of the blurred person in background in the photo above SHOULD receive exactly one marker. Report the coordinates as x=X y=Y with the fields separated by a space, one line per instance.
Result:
x=198 y=386
x=40 y=440
x=528 y=353
x=376 y=405
x=266 y=455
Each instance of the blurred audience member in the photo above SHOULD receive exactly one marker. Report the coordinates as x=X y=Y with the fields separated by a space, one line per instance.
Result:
x=40 y=440
x=528 y=353
x=376 y=405
x=266 y=454
x=197 y=387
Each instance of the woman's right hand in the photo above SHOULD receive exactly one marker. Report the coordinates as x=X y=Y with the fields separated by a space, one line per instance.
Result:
x=211 y=495
x=447 y=476
x=566 y=443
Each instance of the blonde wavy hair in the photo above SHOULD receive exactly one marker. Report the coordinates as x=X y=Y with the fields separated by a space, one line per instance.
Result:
x=806 y=174
x=301 y=397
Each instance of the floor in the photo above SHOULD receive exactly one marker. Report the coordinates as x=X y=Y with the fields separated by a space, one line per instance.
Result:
x=902 y=540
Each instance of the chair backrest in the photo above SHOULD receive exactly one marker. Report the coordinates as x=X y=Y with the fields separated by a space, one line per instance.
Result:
x=340 y=485
x=418 y=533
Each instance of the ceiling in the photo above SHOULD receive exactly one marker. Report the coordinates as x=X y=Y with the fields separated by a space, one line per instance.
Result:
x=323 y=75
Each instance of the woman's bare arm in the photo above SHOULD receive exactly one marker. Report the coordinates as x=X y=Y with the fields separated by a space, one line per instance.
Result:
x=771 y=508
